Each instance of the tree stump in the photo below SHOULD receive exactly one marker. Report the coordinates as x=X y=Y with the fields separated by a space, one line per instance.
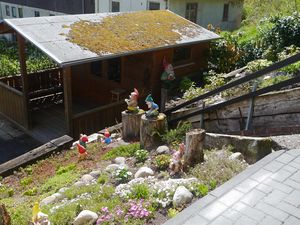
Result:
x=194 y=147
x=4 y=216
x=149 y=130
x=131 y=125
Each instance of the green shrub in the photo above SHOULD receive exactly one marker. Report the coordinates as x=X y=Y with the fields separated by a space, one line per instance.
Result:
x=30 y=192
x=176 y=135
x=64 y=169
x=201 y=190
x=141 y=155
x=172 y=212
x=258 y=65
x=123 y=150
x=288 y=52
x=213 y=184
x=26 y=181
x=162 y=161
x=185 y=84
x=139 y=191
x=122 y=175
x=273 y=80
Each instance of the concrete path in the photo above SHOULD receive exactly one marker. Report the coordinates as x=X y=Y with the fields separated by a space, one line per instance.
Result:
x=266 y=193
x=13 y=141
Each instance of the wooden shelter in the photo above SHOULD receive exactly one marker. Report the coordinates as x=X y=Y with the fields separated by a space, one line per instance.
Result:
x=90 y=84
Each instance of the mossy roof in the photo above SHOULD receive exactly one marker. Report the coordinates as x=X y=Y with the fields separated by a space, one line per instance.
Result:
x=75 y=39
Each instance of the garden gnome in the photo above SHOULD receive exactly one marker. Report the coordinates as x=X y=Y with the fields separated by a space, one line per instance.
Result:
x=167 y=77
x=39 y=218
x=152 y=106
x=107 y=139
x=132 y=102
x=82 y=146
x=176 y=164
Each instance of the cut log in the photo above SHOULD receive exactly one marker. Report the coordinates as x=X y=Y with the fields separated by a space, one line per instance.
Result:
x=194 y=147
x=131 y=125
x=149 y=138
x=4 y=216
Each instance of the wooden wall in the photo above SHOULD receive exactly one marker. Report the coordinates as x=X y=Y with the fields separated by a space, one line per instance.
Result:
x=142 y=71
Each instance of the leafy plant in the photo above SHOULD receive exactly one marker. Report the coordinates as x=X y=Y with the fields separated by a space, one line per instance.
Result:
x=141 y=155
x=102 y=179
x=176 y=135
x=162 y=161
x=140 y=191
x=201 y=190
x=64 y=169
x=30 y=192
x=185 y=84
x=172 y=212
x=288 y=52
x=123 y=150
x=122 y=175
x=256 y=65
x=26 y=181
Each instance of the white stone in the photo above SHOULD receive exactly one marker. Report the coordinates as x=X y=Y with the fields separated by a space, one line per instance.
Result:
x=63 y=190
x=95 y=173
x=112 y=167
x=114 y=135
x=163 y=150
x=144 y=172
x=79 y=184
x=87 y=178
x=52 y=199
x=86 y=217
x=182 y=196
x=236 y=156
x=120 y=160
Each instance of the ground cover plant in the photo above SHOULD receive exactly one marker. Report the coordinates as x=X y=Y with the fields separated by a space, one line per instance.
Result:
x=116 y=196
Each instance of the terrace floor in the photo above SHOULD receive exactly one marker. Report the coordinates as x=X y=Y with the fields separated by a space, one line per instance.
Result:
x=268 y=192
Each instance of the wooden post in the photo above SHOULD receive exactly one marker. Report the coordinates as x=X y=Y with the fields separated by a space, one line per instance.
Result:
x=202 y=116
x=24 y=75
x=149 y=127
x=194 y=147
x=4 y=216
x=131 y=125
x=68 y=99
x=251 y=109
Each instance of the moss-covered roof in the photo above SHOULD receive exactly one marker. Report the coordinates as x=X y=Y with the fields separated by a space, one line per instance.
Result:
x=75 y=39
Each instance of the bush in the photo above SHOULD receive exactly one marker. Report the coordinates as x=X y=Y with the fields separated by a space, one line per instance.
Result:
x=162 y=161
x=288 y=52
x=257 y=65
x=64 y=169
x=172 y=212
x=123 y=150
x=122 y=175
x=185 y=84
x=139 y=191
x=30 y=192
x=141 y=155
x=26 y=181
x=177 y=135
x=102 y=179
x=201 y=190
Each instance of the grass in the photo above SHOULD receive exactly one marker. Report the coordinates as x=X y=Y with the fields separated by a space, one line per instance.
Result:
x=217 y=169
x=122 y=151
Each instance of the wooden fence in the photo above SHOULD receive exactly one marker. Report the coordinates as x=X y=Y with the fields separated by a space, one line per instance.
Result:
x=96 y=119
x=11 y=104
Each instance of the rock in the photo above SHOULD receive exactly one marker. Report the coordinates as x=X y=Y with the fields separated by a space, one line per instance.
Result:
x=182 y=196
x=114 y=135
x=163 y=150
x=52 y=199
x=112 y=167
x=63 y=190
x=120 y=160
x=144 y=172
x=86 y=217
x=236 y=156
x=87 y=178
x=79 y=184
x=95 y=173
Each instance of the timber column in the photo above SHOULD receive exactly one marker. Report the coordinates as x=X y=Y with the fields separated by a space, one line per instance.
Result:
x=68 y=99
x=25 y=86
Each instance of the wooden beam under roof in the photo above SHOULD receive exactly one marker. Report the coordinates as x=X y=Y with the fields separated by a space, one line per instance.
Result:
x=5 y=29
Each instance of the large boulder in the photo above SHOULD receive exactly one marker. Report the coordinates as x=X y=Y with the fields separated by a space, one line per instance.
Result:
x=52 y=199
x=144 y=172
x=236 y=156
x=87 y=178
x=120 y=160
x=95 y=173
x=86 y=217
x=182 y=196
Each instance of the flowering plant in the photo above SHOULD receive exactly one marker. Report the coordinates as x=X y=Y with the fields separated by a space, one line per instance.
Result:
x=132 y=210
x=141 y=155
x=122 y=175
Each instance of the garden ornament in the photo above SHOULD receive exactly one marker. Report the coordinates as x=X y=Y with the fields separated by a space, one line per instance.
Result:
x=81 y=146
x=107 y=139
x=176 y=164
x=39 y=218
x=168 y=75
x=132 y=102
x=152 y=106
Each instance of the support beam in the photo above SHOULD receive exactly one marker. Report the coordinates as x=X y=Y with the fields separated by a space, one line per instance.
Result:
x=68 y=99
x=25 y=85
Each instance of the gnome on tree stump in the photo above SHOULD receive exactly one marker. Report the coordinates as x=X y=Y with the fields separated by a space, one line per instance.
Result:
x=176 y=164
x=82 y=146
x=132 y=102
x=167 y=78
x=152 y=106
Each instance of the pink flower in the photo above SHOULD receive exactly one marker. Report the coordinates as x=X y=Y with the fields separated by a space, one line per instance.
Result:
x=104 y=209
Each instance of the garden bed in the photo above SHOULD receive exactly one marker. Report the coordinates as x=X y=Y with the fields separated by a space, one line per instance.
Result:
x=111 y=183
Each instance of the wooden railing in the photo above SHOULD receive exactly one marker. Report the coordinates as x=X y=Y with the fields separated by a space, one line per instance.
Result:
x=11 y=104
x=96 y=119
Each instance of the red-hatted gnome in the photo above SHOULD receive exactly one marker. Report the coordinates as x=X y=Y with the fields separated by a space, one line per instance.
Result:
x=176 y=164
x=166 y=78
x=132 y=102
x=82 y=146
